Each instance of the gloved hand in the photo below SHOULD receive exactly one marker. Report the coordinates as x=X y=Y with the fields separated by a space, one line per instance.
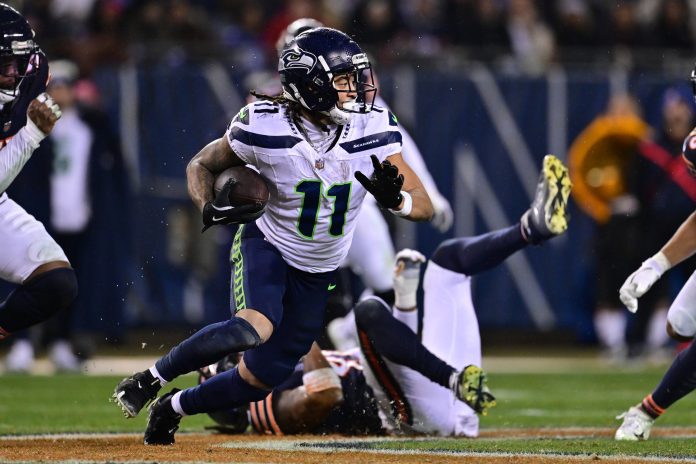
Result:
x=407 y=277
x=385 y=184
x=221 y=211
x=443 y=217
x=641 y=280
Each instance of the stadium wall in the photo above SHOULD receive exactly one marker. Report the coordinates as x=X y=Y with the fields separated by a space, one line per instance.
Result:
x=483 y=135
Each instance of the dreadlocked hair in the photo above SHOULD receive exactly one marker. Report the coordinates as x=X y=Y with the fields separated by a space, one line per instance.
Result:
x=280 y=98
x=294 y=108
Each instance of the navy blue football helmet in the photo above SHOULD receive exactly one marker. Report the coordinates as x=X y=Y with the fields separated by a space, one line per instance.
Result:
x=19 y=54
x=310 y=64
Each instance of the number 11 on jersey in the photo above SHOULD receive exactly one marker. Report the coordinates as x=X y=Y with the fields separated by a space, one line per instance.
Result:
x=311 y=191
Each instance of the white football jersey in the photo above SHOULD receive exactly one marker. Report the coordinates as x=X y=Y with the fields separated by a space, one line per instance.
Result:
x=315 y=197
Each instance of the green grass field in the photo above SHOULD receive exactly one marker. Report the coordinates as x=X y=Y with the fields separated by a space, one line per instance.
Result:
x=67 y=403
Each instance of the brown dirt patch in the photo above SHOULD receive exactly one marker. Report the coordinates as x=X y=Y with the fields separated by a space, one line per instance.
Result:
x=203 y=448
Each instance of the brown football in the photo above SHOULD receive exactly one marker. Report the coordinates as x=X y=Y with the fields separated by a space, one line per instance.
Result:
x=250 y=188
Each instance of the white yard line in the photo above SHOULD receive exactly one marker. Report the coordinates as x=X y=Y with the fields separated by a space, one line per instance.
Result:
x=343 y=445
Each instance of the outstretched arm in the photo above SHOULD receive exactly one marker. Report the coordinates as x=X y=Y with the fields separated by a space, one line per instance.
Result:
x=677 y=249
x=683 y=243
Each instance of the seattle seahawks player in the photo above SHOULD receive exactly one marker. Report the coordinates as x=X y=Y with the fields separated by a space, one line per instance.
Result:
x=29 y=256
x=371 y=254
x=309 y=144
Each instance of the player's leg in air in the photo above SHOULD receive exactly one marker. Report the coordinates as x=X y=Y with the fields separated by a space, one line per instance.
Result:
x=450 y=325
x=397 y=364
x=679 y=380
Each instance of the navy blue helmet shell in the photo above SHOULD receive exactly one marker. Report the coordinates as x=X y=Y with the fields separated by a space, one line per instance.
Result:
x=310 y=62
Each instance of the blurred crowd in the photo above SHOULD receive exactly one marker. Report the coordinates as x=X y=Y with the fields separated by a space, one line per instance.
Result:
x=531 y=34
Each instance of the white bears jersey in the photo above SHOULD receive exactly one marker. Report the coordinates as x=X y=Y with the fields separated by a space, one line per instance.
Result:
x=314 y=197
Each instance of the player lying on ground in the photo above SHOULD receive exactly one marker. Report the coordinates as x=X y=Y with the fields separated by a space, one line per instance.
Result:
x=411 y=383
x=309 y=144
x=29 y=256
x=333 y=392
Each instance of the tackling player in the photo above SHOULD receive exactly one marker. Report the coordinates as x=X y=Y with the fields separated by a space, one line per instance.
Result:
x=29 y=256
x=415 y=384
x=309 y=144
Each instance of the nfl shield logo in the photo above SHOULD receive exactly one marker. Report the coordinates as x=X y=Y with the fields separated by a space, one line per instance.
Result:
x=319 y=164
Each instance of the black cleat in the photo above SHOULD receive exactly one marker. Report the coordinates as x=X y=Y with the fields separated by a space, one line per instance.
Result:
x=547 y=216
x=163 y=421
x=133 y=393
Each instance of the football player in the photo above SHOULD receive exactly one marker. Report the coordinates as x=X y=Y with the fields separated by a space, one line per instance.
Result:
x=310 y=144
x=371 y=254
x=332 y=392
x=29 y=256
x=679 y=379
x=416 y=384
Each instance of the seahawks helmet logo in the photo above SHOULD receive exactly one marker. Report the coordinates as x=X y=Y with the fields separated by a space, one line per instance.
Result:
x=298 y=59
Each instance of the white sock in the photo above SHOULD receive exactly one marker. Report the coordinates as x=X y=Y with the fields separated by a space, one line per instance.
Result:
x=155 y=373
x=453 y=381
x=176 y=404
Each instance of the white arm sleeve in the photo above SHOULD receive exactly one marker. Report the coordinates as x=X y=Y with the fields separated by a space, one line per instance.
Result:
x=17 y=152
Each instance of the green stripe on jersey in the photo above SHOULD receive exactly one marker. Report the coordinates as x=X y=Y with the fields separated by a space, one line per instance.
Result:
x=238 y=271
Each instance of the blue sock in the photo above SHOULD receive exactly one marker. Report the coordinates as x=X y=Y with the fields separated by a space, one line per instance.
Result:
x=679 y=380
x=222 y=391
x=472 y=255
x=385 y=336
x=208 y=345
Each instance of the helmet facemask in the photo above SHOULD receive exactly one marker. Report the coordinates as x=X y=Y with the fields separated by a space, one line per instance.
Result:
x=358 y=82
x=17 y=61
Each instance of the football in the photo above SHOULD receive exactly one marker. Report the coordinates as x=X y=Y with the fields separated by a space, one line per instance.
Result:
x=249 y=187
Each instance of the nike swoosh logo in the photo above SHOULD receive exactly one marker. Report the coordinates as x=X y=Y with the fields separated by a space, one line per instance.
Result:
x=218 y=219
x=332 y=286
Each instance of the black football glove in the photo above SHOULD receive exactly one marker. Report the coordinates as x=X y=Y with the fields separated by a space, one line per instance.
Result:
x=220 y=211
x=385 y=184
